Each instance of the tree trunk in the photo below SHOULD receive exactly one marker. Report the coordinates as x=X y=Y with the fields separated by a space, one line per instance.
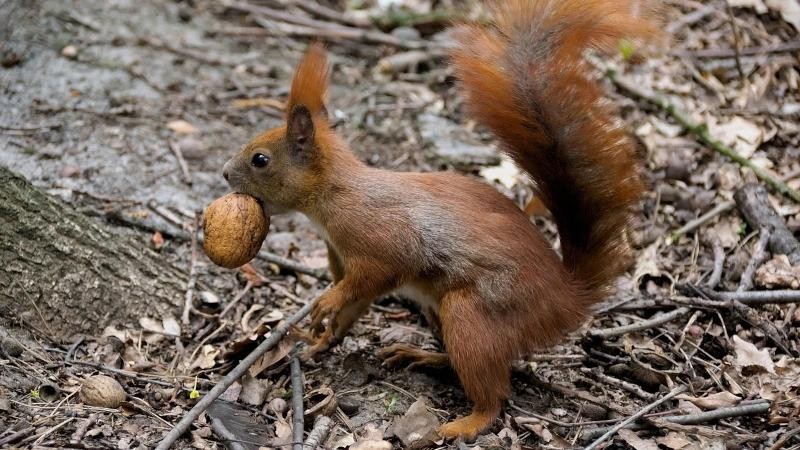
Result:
x=63 y=273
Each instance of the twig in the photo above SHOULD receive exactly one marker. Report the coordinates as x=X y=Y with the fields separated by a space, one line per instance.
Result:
x=748 y=297
x=702 y=220
x=324 y=28
x=633 y=418
x=82 y=428
x=187 y=304
x=700 y=130
x=176 y=150
x=719 y=413
x=231 y=441
x=642 y=325
x=236 y=299
x=756 y=259
x=784 y=439
x=783 y=47
x=322 y=426
x=39 y=438
x=691 y=18
x=297 y=404
x=753 y=202
x=272 y=339
x=694 y=419
x=719 y=263
x=400 y=61
x=294 y=266
x=10 y=439
x=330 y=13
x=630 y=387
x=736 y=46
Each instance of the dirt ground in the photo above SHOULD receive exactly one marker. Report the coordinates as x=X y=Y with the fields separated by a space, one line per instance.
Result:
x=100 y=97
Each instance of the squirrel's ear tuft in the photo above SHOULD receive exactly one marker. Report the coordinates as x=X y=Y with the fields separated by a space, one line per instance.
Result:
x=310 y=82
x=300 y=132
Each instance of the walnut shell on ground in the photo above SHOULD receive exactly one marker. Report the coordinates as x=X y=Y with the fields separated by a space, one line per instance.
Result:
x=234 y=227
x=102 y=391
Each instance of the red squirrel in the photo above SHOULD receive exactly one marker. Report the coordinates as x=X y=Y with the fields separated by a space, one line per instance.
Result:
x=474 y=262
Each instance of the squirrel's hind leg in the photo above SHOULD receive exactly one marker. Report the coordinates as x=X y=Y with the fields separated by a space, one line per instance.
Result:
x=400 y=354
x=481 y=357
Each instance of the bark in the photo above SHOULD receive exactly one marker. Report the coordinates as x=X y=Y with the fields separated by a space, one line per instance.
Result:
x=63 y=273
x=753 y=202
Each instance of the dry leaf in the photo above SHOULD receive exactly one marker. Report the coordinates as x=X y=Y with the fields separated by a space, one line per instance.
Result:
x=778 y=273
x=171 y=326
x=719 y=400
x=417 y=427
x=632 y=439
x=151 y=325
x=673 y=441
x=271 y=357
x=789 y=9
x=181 y=127
x=758 y=5
x=747 y=355
x=206 y=359
x=744 y=136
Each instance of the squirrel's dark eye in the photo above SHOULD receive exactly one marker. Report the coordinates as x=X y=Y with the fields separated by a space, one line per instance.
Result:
x=260 y=160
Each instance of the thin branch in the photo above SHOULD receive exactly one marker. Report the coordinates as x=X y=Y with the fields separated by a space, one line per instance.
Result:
x=297 y=404
x=702 y=220
x=294 y=266
x=272 y=339
x=756 y=259
x=187 y=303
x=176 y=150
x=699 y=130
x=322 y=426
x=608 y=434
x=719 y=263
x=642 y=325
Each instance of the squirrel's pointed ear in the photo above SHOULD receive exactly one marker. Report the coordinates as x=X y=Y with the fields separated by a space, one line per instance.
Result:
x=300 y=132
x=310 y=82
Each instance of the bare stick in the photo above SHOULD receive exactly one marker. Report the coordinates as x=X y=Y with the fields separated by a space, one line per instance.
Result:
x=719 y=263
x=236 y=299
x=784 y=439
x=736 y=45
x=297 y=404
x=757 y=258
x=633 y=418
x=702 y=220
x=753 y=202
x=294 y=266
x=642 y=325
x=176 y=150
x=187 y=304
x=694 y=419
x=272 y=339
x=699 y=130
x=227 y=435
x=325 y=28
x=331 y=14
x=319 y=433
x=82 y=428
x=748 y=298
x=630 y=387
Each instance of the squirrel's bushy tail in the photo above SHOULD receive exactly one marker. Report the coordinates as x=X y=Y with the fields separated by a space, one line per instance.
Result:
x=525 y=78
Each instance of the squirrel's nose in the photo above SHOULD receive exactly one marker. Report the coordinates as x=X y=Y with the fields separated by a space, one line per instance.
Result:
x=225 y=174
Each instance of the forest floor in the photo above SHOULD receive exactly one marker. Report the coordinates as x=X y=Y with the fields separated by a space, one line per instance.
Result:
x=128 y=109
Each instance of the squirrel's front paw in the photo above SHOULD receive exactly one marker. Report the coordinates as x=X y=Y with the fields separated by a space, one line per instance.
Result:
x=326 y=307
x=318 y=345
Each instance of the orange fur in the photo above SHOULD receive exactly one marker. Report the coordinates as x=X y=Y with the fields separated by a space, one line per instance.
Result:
x=310 y=82
x=473 y=261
